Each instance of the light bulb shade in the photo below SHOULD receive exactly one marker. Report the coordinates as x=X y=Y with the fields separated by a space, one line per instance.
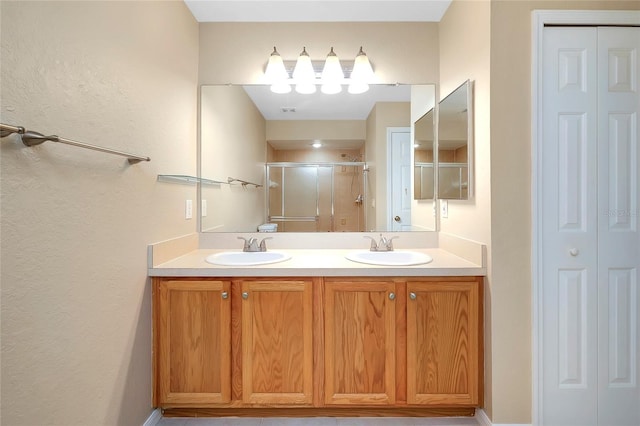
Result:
x=362 y=70
x=281 y=87
x=306 y=88
x=331 y=88
x=357 y=87
x=303 y=71
x=332 y=72
x=276 y=71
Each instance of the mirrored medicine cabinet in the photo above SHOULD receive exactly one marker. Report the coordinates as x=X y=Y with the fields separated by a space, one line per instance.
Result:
x=455 y=144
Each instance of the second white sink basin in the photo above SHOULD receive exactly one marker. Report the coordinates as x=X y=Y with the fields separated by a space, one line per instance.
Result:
x=389 y=258
x=245 y=258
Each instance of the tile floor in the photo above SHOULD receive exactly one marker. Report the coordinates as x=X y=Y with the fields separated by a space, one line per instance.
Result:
x=320 y=421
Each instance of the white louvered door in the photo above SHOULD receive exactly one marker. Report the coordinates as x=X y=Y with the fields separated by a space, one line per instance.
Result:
x=590 y=236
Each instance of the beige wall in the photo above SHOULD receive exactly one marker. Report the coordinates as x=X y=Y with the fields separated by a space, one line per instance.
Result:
x=465 y=54
x=76 y=300
x=232 y=134
x=510 y=266
x=284 y=130
x=246 y=47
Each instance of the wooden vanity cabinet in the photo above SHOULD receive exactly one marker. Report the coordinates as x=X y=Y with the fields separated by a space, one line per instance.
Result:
x=233 y=343
x=395 y=343
x=444 y=364
x=277 y=341
x=192 y=340
x=359 y=342
x=410 y=341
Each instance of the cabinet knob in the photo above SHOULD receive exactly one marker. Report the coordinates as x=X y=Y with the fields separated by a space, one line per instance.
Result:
x=245 y=295
x=574 y=251
x=225 y=295
x=412 y=296
x=392 y=296
x=397 y=218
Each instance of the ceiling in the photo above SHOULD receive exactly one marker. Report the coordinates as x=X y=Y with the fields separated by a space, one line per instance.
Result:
x=318 y=106
x=318 y=11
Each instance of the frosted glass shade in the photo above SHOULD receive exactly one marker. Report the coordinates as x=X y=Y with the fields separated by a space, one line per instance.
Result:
x=276 y=71
x=281 y=87
x=357 y=87
x=331 y=88
x=306 y=88
x=332 y=72
x=362 y=70
x=303 y=71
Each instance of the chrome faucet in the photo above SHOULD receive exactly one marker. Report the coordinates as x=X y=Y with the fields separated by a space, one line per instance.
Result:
x=251 y=244
x=385 y=244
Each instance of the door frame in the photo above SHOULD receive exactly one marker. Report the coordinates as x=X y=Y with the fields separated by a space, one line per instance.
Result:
x=539 y=19
x=390 y=131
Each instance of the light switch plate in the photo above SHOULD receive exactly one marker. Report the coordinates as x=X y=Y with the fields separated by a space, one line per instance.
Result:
x=204 y=208
x=444 y=208
x=188 y=209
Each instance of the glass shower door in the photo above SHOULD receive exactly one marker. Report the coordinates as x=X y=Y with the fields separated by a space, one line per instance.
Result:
x=300 y=197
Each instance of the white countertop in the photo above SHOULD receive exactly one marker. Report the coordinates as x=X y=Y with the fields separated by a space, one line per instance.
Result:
x=315 y=262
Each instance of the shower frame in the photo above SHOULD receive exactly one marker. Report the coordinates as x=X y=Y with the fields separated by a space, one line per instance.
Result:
x=317 y=165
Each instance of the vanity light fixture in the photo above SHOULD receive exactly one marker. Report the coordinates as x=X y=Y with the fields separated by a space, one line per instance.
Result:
x=361 y=75
x=277 y=74
x=332 y=75
x=307 y=75
x=304 y=75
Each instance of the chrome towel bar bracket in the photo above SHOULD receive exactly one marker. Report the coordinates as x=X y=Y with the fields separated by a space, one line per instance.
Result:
x=31 y=138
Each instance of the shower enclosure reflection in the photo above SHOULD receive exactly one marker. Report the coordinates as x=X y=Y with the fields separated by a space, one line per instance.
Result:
x=316 y=190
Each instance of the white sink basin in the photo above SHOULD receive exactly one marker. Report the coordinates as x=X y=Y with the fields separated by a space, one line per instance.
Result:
x=389 y=258
x=244 y=258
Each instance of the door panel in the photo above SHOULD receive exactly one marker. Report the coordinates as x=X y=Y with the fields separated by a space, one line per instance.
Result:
x=401 y=172
x=590 y=238
x=277 y=362
x=442 y=343
x=569 y=228
x=194 y=342
x=618 y=234
x=359 y=343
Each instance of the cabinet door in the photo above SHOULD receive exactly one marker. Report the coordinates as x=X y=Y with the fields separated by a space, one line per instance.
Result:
x=443 y=342
x=277 y=345
x=360 y=339
x=193 y=322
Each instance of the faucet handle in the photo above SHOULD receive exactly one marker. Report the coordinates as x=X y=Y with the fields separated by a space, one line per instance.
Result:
x=386 y=244
x=246 y=243
x=250 y=244
x=390 y=243
x=374 y=245
x=263 y=245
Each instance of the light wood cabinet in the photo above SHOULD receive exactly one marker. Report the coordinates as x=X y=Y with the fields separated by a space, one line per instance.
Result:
x=359 y=342
x=330 y=343
x=192 y=342
x=444 y=348
x=277 y=347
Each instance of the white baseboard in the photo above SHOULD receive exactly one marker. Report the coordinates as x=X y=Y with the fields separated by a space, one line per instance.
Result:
x=154 y=418
x=484 y=420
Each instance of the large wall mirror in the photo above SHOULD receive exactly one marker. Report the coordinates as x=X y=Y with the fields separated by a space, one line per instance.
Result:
x=455 y=147
x=306 y=163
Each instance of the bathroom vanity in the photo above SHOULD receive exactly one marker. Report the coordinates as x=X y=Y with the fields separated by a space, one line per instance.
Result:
x=317 y=335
